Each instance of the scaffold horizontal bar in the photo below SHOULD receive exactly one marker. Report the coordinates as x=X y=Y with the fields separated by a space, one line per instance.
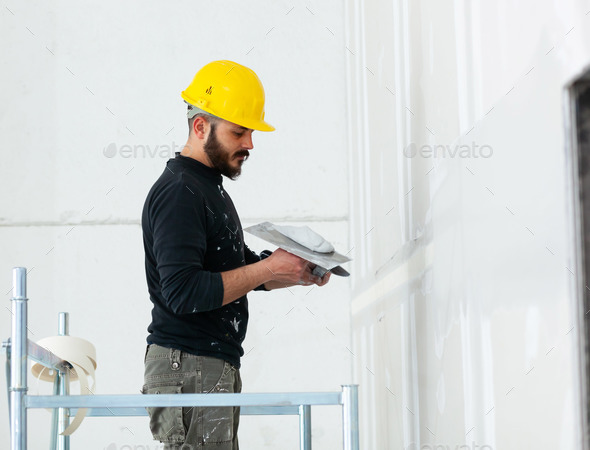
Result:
x=162 y=400
x=244 y=411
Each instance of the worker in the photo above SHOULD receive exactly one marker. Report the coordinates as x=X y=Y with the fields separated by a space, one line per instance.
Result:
x=198 y=267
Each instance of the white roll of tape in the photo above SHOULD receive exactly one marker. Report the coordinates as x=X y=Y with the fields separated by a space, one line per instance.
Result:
x=81 y=355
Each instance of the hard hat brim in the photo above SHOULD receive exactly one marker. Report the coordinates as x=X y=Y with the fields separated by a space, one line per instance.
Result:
x=259 y=125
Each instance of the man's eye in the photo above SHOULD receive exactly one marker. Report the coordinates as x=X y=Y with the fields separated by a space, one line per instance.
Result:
x=239 y=133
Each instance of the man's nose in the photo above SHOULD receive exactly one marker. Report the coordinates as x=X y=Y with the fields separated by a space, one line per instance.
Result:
x=247 y=141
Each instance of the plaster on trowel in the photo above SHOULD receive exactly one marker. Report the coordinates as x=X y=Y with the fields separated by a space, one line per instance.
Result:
x=325 y=262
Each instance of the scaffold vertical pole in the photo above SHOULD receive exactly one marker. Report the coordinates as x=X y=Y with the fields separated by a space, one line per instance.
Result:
x=18 y=360
x=63 y=441
x=305 y=427
x=350 y=417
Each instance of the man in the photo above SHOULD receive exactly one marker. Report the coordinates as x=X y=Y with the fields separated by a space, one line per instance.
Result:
x=198 y=268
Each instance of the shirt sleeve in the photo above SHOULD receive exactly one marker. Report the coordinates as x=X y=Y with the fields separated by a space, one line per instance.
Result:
x=180 y=241
x=252 y=258
x=249 y=256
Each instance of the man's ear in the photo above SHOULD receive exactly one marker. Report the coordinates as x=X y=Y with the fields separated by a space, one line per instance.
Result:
x=200 y=127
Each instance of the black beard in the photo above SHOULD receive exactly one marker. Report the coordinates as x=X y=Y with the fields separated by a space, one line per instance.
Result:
x=220 y=156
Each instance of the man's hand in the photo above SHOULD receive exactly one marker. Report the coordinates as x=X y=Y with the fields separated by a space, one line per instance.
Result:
x=279 y=270
x=270 y=285
x=288 y=270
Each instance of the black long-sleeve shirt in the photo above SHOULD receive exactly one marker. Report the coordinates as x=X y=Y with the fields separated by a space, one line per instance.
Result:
x=191 y=233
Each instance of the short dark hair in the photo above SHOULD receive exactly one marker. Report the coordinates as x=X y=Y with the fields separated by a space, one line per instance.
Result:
x=208 y=116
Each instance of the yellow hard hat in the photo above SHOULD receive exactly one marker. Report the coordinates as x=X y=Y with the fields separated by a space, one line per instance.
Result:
x=230 y=91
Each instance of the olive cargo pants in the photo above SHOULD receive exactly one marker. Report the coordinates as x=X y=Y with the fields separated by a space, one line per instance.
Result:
x=170 y=371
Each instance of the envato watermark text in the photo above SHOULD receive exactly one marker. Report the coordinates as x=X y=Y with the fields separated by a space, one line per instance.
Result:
x=472 y=150
x=142 y=150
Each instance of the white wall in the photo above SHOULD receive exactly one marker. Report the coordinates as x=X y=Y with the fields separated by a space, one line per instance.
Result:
x=463 y=310
x=84 y=81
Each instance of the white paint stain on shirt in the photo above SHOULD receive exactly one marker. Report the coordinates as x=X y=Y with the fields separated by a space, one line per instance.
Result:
x=236 y=324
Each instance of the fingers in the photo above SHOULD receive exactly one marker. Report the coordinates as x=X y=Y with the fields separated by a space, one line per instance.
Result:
x=307 y=278
x=324 y=280
x=313 y=279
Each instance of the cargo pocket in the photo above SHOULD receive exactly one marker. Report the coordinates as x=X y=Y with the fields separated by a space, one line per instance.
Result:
x=223 y=382
x=218 y=422
x=166 y=423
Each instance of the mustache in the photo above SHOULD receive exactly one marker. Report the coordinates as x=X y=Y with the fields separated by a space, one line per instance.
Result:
x=244 y=153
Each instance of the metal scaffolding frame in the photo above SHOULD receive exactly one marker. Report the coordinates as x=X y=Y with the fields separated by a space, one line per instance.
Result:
x=19 y=349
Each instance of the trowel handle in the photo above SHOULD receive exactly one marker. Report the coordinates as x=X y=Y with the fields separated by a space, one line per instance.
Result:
x=319 y=271
x=265 y=254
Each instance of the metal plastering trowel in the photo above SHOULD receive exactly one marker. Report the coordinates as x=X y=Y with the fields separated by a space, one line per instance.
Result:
x=325 y=262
